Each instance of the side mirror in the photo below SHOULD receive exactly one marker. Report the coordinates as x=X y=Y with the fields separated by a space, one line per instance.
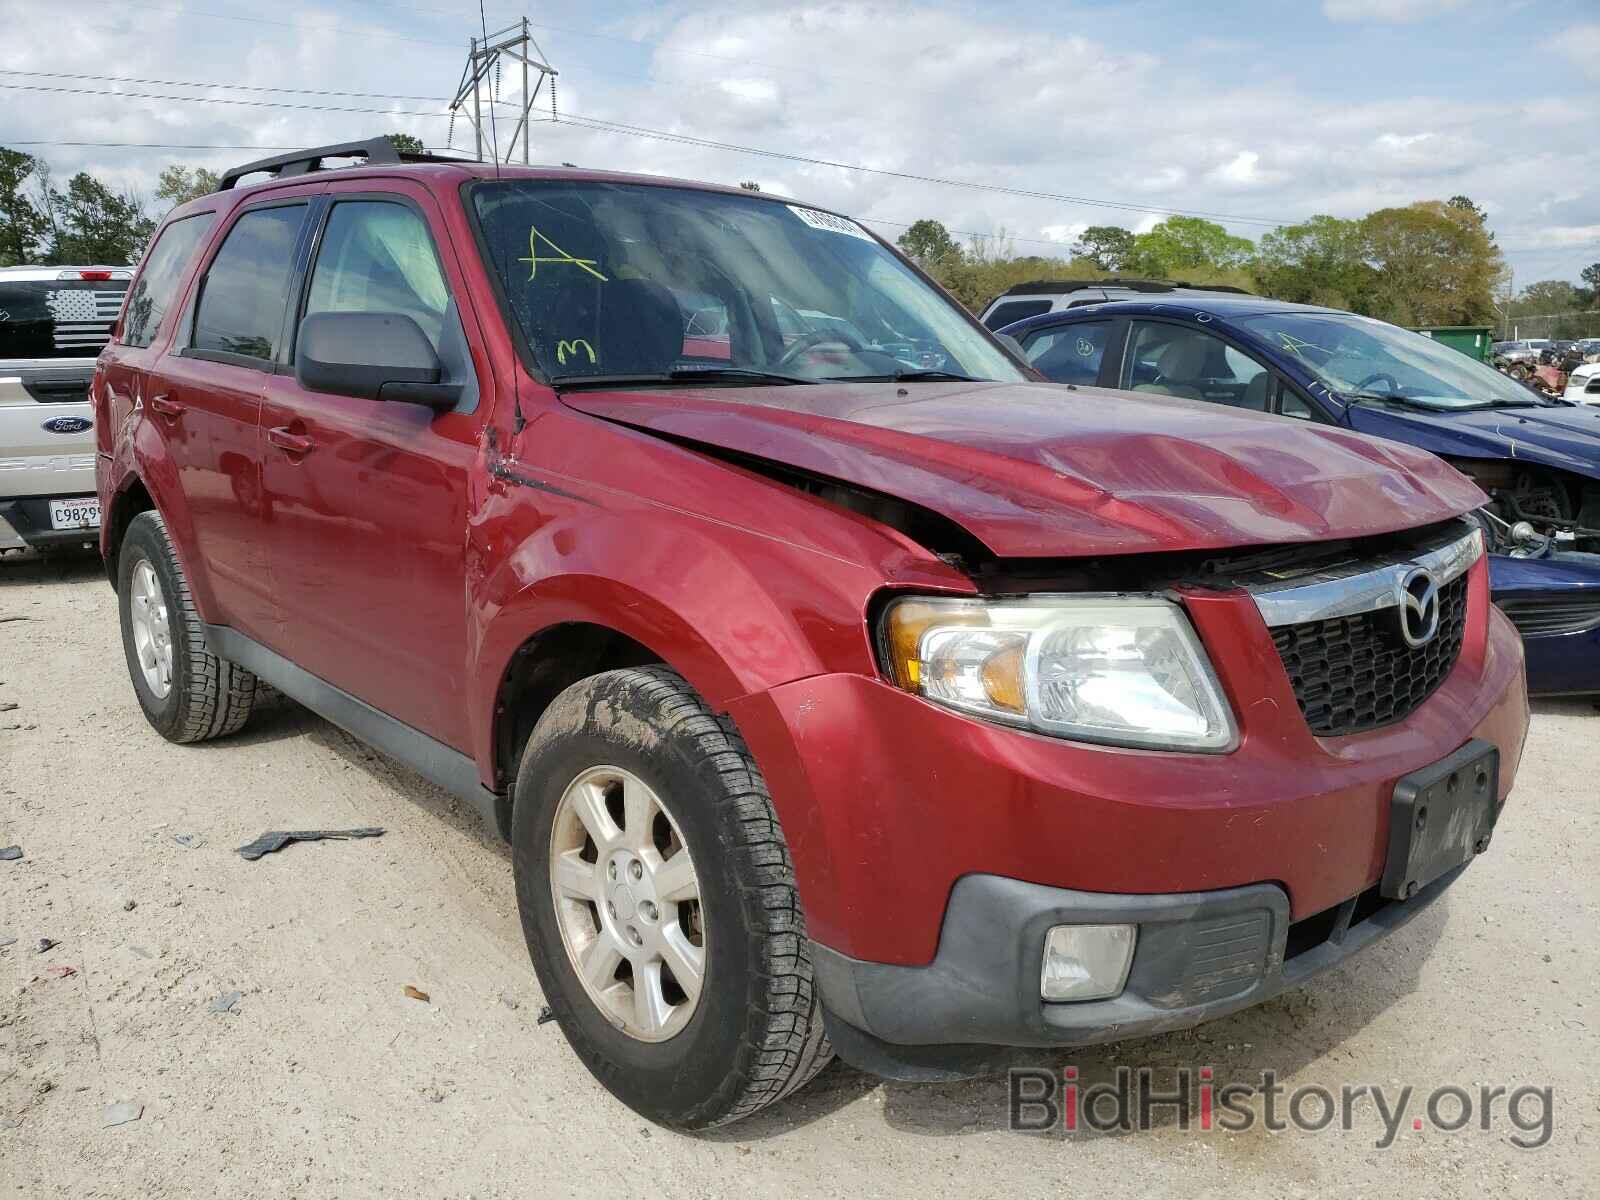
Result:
x=376 y=356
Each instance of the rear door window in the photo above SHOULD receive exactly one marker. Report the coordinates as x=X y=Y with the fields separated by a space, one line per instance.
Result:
x=153 y=291
x=1015 y=310
x=1069 y=353
x=246 y=289
x=66 y=317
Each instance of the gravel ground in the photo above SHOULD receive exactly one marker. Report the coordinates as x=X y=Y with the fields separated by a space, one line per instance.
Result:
x=326 y=1079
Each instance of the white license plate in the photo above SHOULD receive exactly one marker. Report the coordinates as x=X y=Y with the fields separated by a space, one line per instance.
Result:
x=75 y=514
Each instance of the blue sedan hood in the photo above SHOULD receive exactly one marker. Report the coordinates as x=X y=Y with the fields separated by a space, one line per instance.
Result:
x=1559 y=436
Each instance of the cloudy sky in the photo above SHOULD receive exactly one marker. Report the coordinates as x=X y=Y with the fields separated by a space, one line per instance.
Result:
x=1255 y=111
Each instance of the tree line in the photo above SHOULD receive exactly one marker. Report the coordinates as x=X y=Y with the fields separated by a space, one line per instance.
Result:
x=1429 y=263
x=87 y=222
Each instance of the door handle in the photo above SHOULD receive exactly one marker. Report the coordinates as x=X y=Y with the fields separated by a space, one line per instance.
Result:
x=286 y=439
x=166 y=406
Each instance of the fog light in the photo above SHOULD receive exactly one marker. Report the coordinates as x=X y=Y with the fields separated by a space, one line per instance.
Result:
x=1086 y=962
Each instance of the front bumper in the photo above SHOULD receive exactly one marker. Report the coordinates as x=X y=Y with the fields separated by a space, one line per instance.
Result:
x=1555 y=602
x=1199 y=956
x=887 y=801
x=25 y=524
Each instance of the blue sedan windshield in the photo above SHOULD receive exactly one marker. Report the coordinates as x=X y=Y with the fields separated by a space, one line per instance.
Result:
x=1358 y=356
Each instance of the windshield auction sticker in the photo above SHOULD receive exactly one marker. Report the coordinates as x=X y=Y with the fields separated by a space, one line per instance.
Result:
x=830 y=222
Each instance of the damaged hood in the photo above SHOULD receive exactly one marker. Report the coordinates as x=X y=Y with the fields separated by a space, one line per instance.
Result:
x=1040 y=470
x=1560 y=435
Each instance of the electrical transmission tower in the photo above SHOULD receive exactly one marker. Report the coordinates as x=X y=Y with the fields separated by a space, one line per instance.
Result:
x=480 y=86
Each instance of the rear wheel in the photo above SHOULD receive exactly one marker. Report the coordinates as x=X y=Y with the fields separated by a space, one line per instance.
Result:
x=658 y=901
x=187 y=693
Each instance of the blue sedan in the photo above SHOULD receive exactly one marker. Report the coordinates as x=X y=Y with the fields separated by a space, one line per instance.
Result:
x=1538 y=460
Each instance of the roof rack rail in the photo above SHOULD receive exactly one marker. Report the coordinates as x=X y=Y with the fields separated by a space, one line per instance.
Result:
x=1045 y=287
x=378 y=151
x=1042 y=287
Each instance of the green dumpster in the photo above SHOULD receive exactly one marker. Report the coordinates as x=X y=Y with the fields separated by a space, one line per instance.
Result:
x=1472 y=340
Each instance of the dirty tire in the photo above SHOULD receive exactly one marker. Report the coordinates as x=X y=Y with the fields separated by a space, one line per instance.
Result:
x=756 y=1034
x=209 y=697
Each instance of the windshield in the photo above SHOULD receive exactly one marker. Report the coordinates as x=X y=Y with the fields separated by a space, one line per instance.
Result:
x=638 y=280
x=1360 y=357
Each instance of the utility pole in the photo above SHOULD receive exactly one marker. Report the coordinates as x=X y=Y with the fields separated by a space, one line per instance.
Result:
x=484 y=57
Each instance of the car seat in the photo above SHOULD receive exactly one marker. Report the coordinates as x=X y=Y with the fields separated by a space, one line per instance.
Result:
x=1180 y=365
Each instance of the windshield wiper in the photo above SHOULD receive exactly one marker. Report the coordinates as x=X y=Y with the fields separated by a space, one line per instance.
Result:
x=915 y=375
x=751 y=373
x=747 y=375
x=1397 y=398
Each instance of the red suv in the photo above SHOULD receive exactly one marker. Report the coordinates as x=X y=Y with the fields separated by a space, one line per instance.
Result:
x=839 y=686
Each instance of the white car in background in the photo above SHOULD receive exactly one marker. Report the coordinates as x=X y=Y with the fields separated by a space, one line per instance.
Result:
x=53 y=323
x=1583 y=385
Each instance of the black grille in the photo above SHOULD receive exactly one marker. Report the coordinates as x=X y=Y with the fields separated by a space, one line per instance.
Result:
x=1553 y=614
x=1355 y=673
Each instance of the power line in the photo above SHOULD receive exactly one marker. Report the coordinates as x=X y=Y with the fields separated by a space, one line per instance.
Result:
x=231 y=87
x=385 y=112
x=605 y=126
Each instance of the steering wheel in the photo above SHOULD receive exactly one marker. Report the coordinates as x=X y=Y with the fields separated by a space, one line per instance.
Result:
x=1394 y=385
x=817 y=337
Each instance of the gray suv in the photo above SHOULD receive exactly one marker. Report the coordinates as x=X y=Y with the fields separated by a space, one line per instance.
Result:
x=1052 y=295
x=53 y=323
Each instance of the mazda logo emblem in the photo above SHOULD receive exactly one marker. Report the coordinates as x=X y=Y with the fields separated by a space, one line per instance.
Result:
x=1419 y=607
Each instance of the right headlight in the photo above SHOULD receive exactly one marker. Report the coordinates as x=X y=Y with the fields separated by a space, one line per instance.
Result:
x=1122 y=671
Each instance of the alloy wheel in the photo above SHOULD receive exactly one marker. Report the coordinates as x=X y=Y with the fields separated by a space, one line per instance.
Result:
x=152 y=629
x=627 y=900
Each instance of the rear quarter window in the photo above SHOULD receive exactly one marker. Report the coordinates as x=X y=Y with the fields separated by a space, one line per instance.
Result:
x=1015 y=310
x=158 y=280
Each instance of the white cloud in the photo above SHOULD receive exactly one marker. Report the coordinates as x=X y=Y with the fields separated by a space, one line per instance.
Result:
x=1065 y=234
x=1394 y=12
x=1581 y=44
x=907 y=87
x=1244 y=171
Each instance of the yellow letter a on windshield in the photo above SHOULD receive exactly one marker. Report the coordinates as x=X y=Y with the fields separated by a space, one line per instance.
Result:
x=560 y=256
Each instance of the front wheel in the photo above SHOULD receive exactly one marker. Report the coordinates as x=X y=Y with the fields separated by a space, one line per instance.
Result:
x=658 y=902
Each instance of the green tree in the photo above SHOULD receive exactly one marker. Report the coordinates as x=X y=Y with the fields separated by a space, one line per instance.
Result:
x=1108 y=247
x=407 y=144
x=1547 y=296
x=750 y=185
x=1435 y=265
x=97 y=225
x=1187 y=243
x=928 y=242
x=179 y=184
x=1591 y=276
x=1320 y=261
x=1464 y=204
x=23 y=225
